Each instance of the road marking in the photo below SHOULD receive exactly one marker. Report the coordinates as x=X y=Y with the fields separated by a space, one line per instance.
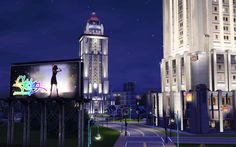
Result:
x=163 y=144
x=170 y=139
x=128 y=133
x=144 y=144
x=162 y=139
x=153 y=132
x=139 y=131
x=126 y=144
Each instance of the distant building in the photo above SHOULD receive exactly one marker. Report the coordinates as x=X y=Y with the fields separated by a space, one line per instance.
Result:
x=119 y=98
x=130 y=94
x=151 y=97
x=199 y=48
x=126 y=99
x=94 y=52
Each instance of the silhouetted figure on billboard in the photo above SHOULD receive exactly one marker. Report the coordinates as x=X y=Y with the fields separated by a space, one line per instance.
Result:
x=55 y=70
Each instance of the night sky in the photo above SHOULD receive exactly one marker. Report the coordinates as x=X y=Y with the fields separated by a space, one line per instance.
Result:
x=39 y=30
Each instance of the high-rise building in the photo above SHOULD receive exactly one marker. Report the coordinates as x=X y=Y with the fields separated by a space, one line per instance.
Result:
x=130 y=94
x=200 y=48
x=94 y=53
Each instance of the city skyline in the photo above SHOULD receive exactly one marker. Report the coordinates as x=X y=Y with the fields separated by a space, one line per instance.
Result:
x=49 y=30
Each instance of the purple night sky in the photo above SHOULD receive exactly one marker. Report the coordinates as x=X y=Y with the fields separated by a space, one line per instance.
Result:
x=38 y=30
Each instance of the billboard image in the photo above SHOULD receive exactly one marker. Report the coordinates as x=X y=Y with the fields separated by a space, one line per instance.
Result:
x=45 y=80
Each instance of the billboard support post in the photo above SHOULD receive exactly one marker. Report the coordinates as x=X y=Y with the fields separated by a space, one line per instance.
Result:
x=10 y=124
x=61 y=124
x=80 y=107
x=43 y=124
x=82 y=124
x=26 y=135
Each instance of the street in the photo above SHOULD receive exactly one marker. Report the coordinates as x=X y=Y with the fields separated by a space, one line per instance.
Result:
x=138 y=136
x=142 y=136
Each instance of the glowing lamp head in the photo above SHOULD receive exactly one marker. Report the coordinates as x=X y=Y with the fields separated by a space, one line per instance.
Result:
x=225 y=109
x=98 y=137
x=189 y=97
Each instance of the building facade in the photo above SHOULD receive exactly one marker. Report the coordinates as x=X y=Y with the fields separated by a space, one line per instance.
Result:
x=199 y=48
x=94 y=53
x=151 y=97
x=130 y=94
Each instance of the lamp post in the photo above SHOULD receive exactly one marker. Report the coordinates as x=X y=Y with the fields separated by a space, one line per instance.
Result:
x=177 y=123
x=89 y=132
x=165 y=124
x=138 y=111
x=98 y=136
x=171 y=125
x=126 y=124
x=150 y=114
x=130 y=110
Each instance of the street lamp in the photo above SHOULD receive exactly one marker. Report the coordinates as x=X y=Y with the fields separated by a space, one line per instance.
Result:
x=89 y=132
x=130 y=110
x=98 y=137
x=138 y=111
x=151 y=117
x=126 y=124
x=171 y=125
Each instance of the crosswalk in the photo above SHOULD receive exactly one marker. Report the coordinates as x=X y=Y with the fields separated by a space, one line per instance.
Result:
x=144 y=142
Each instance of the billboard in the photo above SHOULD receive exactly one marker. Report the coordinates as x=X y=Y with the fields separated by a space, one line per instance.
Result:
x=61 y=79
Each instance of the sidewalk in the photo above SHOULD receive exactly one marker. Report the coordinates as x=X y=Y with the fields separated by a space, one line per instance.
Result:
x=121 y=141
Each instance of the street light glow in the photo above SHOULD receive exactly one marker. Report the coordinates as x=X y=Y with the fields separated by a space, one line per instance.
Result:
x=98 y=137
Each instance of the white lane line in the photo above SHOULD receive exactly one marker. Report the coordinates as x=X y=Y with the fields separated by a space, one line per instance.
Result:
x=162 y=139
x=154 y=132
x=170 y=139
x=126 y=143
x=128 y=133
x=143 y=142
x=140 y=132
x=163 y=144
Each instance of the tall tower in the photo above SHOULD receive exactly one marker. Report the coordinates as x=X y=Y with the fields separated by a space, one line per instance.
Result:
x=94 y=53
x=199 y=43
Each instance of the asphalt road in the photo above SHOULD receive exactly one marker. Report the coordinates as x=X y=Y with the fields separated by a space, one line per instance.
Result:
x=139 y=136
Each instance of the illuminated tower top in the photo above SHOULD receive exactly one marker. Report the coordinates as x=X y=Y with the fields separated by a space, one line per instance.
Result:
x=94 y=26
x=94 y=53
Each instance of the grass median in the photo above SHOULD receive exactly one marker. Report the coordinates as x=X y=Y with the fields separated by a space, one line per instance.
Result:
x=109 y=137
